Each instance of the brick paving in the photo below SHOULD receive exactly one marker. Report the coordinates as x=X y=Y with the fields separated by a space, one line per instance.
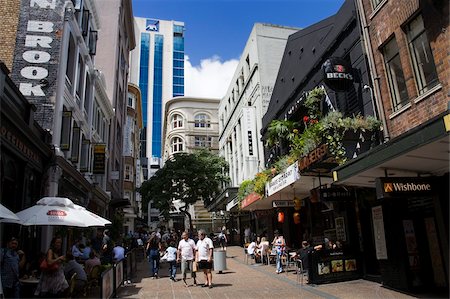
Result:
x=243 y=280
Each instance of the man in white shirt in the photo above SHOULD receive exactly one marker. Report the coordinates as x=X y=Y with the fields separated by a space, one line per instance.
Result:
x=186 y=255
x=204 y=256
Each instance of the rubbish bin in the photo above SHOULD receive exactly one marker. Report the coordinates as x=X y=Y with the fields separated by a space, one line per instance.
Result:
x=220 y=260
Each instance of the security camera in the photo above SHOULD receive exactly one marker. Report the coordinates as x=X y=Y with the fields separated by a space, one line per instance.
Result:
x=367 y=87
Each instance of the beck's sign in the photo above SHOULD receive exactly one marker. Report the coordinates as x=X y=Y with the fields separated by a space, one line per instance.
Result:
x=338 y=74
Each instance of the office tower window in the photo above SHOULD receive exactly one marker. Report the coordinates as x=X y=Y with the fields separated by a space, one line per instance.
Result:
x=177 y=121
x=202 y=121
x=178 y=61
x=177 y=144
x=157 y=96
x=421 y=55
x=143 y=73
x=394 y=71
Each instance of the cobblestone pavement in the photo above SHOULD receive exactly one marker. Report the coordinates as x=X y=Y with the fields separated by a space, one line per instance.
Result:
x=243 y=280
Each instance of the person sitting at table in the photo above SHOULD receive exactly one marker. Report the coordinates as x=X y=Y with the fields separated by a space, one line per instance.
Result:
x=11 y=260
x=71 y=267
x=263 y=247
x=86 y=250
x=251 y=248
x=91 y=262
x=118 y=252
x=76 y=251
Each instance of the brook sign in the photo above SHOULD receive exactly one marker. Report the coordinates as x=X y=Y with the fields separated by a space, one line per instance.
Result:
x=37 y=51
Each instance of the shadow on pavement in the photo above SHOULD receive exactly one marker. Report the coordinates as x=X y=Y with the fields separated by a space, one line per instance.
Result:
x=225 y=272
x=218 y=285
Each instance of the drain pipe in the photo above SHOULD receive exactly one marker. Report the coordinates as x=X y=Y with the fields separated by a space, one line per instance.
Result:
x=372 y=69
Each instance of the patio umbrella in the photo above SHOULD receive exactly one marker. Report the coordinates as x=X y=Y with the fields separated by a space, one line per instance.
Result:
x=91 y=219
x=52 y=211
x=7 y=215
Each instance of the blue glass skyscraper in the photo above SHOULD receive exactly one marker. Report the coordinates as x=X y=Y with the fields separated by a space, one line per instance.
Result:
x=157 y=66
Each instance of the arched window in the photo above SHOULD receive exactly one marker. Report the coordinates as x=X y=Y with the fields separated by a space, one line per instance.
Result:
x=202 y=121
x=177 y=145
x=177 y=121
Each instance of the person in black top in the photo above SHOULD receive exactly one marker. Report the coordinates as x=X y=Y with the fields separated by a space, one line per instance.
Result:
x=153 y=249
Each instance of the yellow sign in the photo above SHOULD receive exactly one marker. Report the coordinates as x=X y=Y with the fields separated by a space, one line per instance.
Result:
x=447 y=122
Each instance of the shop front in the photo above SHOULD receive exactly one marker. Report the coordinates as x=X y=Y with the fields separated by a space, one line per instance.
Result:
x=408 y=215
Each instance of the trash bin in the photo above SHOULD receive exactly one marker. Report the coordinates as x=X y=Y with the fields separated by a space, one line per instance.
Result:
x=220 y=260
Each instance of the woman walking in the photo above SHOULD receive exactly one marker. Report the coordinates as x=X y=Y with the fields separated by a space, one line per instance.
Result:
x=279 y=245
x=153 y=249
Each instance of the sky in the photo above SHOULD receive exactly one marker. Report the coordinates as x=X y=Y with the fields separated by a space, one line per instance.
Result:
x=217 y=30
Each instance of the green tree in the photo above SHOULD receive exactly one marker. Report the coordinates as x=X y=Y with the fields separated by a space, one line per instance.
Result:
x=188 y=178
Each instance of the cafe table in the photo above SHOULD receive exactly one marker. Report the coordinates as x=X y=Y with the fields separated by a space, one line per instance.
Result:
x=29 y=286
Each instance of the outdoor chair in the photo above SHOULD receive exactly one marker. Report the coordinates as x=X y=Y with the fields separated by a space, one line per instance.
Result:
x=299 y=265
x=247 y=256
x=72 y=284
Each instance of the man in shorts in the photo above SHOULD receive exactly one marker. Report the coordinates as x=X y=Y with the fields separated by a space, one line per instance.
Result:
x=204 y=256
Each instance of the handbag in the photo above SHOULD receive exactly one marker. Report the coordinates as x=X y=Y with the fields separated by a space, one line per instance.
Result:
x=46 y=267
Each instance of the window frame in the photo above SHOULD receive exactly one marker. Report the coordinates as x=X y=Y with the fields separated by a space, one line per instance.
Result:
x=176 y=144
x=392 y=83
x=177 y=121
x=200 y=122
x=419 y=76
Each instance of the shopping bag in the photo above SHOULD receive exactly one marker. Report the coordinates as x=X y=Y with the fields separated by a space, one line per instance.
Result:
x=194 y=266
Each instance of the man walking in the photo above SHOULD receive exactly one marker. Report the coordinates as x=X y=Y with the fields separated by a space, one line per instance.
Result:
x=186 y=255
x=204 y=256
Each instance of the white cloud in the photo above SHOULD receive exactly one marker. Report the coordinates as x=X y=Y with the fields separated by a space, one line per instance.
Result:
x=210 y=79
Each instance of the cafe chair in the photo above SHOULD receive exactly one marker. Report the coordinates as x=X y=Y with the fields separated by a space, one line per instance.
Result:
x=72 y=283
x=299 y=265
x=290 y=262
x=247 y=256
x=93 y=278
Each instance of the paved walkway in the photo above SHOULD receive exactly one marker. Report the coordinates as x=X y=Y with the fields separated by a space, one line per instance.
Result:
x=248 y=281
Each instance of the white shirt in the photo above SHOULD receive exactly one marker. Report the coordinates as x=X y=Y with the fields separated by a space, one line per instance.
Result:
x=187 y=249
x=171 y=254
x=251 y=248
x=203 y=247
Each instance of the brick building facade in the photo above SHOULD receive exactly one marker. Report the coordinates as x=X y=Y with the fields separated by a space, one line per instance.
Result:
x=9 y=10
x=405 y=210
x=392 y=20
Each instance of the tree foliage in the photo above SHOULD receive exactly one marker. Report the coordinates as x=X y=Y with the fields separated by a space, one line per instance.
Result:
x=185 y=177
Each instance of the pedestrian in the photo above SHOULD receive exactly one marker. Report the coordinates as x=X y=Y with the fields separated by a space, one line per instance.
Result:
x=279 y=244
x=172 y=259
x=11 y=261
x=153 y=249
x=52 y=283
x=203 y=257
x=247 y=233
x=223 y=239
x=186 y=255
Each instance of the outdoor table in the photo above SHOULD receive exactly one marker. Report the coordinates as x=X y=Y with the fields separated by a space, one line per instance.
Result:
x=28 y=286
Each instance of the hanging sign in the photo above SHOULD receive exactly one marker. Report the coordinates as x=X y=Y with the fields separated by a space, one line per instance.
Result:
x=337 y=74
x=281 y=181
x=99 y=159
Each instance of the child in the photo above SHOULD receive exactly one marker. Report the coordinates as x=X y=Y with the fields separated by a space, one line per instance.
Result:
x=172 y=260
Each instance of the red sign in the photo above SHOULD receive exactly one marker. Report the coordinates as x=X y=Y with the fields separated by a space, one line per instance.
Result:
x=56 y=213
x=251 y=198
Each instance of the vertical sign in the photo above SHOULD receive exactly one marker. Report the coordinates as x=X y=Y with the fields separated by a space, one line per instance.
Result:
x=378 y=230
x=99 y=159
x=36 y=55
x=249 y=128
x=340 y=229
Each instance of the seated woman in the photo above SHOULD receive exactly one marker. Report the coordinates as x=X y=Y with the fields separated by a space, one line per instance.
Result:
x=263 y=247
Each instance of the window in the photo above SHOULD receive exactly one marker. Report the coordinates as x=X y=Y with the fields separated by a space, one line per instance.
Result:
x=203 y=141
x=422 y=57
x=177 y=121
x=128 y=172
x=375 y=3
x=202 y=121
x=394 y=71
x=177 y=144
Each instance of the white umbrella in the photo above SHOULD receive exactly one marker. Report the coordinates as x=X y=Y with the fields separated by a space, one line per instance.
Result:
x=91 y=219
x=52 y=211
x=6 y=215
